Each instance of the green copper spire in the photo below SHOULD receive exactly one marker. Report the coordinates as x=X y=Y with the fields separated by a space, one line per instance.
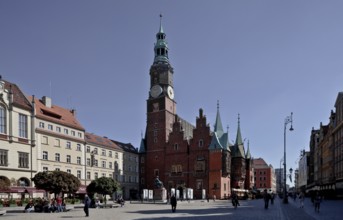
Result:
x=161 y=28
x=239 y=135
x=218 y=127
x=161 y=46
x=248 y=155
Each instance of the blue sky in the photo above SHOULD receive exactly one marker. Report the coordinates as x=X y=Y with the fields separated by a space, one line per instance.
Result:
x=262 y=59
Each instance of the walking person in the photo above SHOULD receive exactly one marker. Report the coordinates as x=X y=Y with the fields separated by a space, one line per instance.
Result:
x=234 y=198
x=272 y=196
x=301 y=199
x=317 y=201
x=87 y=202
x=266 y=198
x=173 y=202
x=59 y=204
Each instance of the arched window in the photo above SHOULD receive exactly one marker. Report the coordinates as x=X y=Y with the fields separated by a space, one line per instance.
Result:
x=2 y=120
x=201 y=143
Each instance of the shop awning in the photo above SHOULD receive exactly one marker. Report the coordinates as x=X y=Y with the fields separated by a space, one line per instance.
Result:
x=82 y=190
x=20 y=189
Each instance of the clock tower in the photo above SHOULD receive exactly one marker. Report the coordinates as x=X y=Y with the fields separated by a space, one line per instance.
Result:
x=161 y=110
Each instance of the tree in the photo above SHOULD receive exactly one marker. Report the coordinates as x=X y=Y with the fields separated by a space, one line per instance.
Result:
x=103 y=186
x=4 y=184
x=56 y=182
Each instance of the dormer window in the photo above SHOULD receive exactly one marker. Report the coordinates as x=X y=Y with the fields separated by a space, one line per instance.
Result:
x=41 y=124
x=201 y=143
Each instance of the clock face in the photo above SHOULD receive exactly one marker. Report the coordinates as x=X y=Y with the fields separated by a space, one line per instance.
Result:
x=155 y=91
x=170 y=92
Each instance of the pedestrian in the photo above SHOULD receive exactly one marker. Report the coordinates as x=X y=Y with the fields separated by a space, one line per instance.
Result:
x=272 y=196
x=29 y=207
x=317 y=201
x=173 y=203
x=266 y=198
x=87 y=202
x=234 y=198
x=208 y=198
x=59 y=204
x=301 y=199
x=214 y=198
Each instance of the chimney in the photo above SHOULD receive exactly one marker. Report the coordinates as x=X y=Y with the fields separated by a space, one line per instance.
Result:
x=2 y=84
x=73 y=111
x=47 y=101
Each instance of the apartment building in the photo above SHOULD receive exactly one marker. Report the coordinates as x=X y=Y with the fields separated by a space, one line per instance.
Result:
x=130 y=171
x=17 y=138
x=104 y=158
x=60 y=138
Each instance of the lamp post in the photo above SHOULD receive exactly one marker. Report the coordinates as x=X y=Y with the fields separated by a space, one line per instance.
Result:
x=288 y=119
x=280 y=178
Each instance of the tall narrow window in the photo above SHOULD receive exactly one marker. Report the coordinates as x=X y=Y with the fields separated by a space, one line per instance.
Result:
x=3 y=158
x=22 y=126
x=79 y=174
x=2 y=120
x=45 y=155
x=57 y=157
x=23 y=160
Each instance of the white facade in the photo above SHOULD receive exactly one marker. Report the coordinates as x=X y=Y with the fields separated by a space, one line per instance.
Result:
x=17 y=144
x=302 y=173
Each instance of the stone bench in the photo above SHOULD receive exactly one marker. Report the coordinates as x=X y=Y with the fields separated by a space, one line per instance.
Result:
x=2 y=212
x=108 y=206
x=68 y=208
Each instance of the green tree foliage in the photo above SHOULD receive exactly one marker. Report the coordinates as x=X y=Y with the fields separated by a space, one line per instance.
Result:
x=103 y=186
x=56 y=182
x=4 y=184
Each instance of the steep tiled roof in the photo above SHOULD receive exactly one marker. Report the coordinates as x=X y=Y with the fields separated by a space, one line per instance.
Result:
x=19 y=99
x=187 y=129
x=259 y=163
x=57 y=115
x=142 y=147
x=102 y=141
x=126 y=146
x=215 y=143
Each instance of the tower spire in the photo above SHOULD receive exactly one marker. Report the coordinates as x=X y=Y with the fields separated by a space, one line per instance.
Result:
x=161 y=28
x=248 y=155
x=218 y=127
x=161 y=46
x=239 y=135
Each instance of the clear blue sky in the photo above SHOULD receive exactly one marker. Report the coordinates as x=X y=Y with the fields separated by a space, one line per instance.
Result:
x=262 y=59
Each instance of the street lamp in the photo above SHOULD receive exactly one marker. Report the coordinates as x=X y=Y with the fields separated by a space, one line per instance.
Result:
x=280 y=178
x=288 y=119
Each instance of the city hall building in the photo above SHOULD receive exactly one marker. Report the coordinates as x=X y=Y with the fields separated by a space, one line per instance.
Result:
x=183 y=155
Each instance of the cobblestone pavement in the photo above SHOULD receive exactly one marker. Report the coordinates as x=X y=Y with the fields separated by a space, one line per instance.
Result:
x=329 y=209
x=194 y=210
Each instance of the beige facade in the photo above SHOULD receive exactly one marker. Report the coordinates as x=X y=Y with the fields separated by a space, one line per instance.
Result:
x=60 y=139
x=17 y=143
x=130 y=171
x=37 y=136
x=103 y=158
